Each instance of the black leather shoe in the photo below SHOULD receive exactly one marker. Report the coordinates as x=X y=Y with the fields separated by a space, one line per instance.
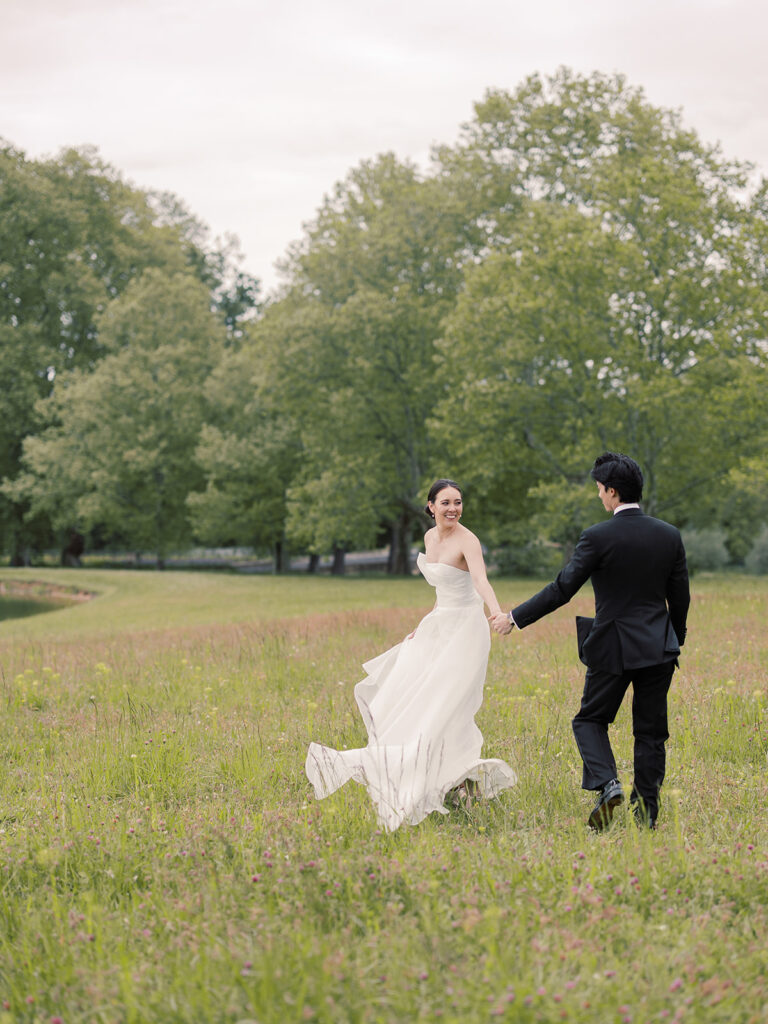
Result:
x=642 y=818
x=611 y=796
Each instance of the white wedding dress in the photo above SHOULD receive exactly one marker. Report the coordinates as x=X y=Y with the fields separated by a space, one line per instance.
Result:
x=418 y=703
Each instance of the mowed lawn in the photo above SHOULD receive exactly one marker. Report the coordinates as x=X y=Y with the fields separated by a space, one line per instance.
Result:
x=162 y=857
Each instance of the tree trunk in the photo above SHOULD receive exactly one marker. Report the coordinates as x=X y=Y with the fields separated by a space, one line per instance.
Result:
x=391 y=554
x=399 y=558
x=314 y=563
x=21 y=557
x=338 y=568
x=281 y=556
x=73 y=549
x=393 y=549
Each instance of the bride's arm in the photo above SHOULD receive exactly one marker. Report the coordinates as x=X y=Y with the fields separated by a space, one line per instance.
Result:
x=473 y=555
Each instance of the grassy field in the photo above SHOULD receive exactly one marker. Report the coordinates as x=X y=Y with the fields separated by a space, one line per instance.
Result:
x=162 y=858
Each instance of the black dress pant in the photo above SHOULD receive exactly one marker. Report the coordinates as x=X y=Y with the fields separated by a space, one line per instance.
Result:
x=603 y=694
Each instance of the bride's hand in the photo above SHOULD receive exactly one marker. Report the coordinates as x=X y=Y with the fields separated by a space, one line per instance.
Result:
x=500 y=623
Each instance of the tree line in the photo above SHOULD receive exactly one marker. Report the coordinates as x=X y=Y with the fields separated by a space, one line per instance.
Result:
x=578 y=272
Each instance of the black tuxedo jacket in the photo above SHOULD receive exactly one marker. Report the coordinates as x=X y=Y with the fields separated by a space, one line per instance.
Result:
x=640 y=579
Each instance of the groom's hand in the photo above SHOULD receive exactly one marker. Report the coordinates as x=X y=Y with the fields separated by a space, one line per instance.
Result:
x=501 y=623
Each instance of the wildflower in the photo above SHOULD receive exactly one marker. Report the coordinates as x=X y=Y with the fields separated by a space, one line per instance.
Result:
x=676 y=984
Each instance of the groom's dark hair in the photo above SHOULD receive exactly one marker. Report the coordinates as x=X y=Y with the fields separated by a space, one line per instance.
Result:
x=620 y=472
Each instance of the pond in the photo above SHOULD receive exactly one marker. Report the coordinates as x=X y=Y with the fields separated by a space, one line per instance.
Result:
x=22 y=598
x=21 y=607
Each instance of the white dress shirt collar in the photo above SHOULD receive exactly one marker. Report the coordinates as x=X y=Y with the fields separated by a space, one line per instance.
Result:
x=629 y=504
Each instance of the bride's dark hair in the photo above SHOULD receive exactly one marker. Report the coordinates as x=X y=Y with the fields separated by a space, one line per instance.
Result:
x=434 y=490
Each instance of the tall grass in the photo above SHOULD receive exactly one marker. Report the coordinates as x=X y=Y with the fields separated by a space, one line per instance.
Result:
x=162 y=858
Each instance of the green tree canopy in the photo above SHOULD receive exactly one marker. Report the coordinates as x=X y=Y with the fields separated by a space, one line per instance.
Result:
x=579 y=272
x=118 y=451
x=354 y=341
x=247 y=454
x=620 y=304
x=355 y=335
x=73 y=236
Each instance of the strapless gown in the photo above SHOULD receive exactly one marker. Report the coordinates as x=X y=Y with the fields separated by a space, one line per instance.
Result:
x=418 y=702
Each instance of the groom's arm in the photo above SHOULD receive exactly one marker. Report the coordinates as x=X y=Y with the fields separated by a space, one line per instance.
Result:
x=678 y=594
x=570 y=579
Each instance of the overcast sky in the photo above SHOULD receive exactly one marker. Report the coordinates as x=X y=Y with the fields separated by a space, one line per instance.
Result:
x=251 y=111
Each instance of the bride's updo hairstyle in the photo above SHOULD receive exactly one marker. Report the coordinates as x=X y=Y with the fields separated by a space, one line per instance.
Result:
x=434 y=490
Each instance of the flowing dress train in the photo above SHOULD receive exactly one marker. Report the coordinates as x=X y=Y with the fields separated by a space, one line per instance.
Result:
x=418 y=703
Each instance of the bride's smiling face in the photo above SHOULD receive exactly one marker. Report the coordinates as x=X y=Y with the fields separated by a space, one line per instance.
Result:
x=447 y=506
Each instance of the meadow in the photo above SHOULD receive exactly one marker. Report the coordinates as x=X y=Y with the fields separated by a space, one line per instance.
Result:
x=163 y=859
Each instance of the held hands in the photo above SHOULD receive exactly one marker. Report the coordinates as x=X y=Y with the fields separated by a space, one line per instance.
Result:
x=500 y=623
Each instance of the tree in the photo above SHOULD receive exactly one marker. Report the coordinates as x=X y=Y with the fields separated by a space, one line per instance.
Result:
x=73 y=235
x=247 y=452
x=118 y=450
x=619 y=304
x=354 y=342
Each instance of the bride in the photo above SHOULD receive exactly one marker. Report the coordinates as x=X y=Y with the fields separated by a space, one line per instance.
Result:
x=419 y=699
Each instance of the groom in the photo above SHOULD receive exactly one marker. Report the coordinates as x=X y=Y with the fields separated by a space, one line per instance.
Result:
x=640 y=579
